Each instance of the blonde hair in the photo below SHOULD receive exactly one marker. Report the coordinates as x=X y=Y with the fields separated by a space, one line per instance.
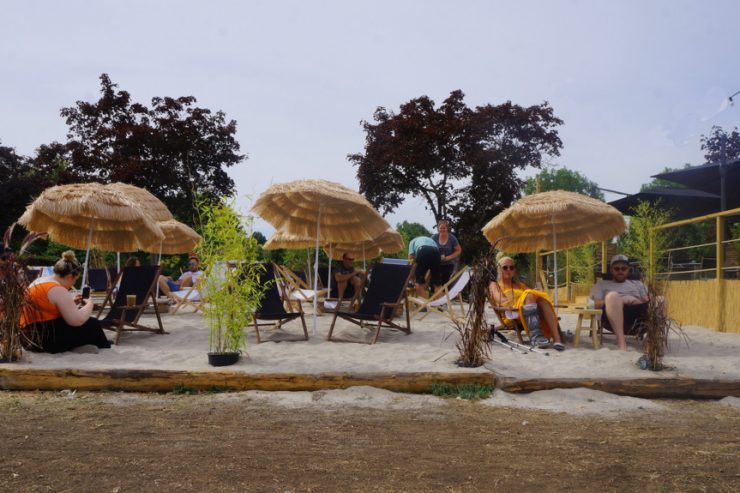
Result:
x=67 y=265
x=501 y=257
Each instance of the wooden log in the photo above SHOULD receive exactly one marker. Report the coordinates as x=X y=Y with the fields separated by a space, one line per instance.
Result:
x=677 y=388
x=166 y=380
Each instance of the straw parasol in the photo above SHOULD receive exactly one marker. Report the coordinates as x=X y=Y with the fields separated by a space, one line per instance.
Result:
x=327 y=211
x=281 y=239
x=178 y=238
x=552 y=221
x=142 y=197
x=85 y=215
x=389 y=242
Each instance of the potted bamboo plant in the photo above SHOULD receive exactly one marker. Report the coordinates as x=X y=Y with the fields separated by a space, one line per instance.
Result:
x=231 y=284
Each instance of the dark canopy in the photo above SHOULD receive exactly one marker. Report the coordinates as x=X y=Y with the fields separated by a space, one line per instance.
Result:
x=683 y=202
x=706 y=178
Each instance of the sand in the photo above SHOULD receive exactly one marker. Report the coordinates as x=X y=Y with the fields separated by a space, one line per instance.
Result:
x=430 y=348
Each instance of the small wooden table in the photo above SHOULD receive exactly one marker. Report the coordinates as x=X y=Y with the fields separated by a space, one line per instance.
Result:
x=594 y=325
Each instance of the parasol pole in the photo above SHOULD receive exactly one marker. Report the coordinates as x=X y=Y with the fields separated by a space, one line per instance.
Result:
x=87 y=254
x=316 y=272
x=328 y=295
x=308 y=265
x=555 y=253
x=159 y=262
x=364 y=267
x=118 y=261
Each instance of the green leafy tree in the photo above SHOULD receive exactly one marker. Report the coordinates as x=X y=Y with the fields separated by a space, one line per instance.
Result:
x=712 y=145
x=174 y=149
x=563 y=179
x=20 y=183
x=644 y=243
x=461 y=161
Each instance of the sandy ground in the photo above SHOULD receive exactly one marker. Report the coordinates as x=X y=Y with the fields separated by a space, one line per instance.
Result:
x=365 y=439
x=431 y=347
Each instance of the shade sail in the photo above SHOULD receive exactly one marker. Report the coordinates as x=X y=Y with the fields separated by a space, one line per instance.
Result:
x=707 y=179
x=682 y=202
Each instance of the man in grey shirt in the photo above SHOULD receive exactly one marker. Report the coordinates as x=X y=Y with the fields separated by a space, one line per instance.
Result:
x=624 y=301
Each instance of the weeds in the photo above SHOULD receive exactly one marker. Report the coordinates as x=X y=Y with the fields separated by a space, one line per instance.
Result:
x=470 y=391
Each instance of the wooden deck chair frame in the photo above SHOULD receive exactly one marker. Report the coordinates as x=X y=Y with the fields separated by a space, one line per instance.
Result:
x=518 y=327
x=185 y=301
x=383 y=319
x=296 y=288
x=278 y=321
x=443 y=292
x=121 y=325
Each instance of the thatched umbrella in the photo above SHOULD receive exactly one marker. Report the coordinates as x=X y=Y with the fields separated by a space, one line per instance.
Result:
x=389 y=242
x=552 y=221
x=142 y=197
x=330 y=212
x=178 y=238
x=85 y=215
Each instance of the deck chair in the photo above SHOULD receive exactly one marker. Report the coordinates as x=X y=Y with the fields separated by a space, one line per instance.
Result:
x=296 y=289
x=385 y=294
x=272 y=306
x=444 y=297
x=332 y=301
x=192 y=296
x=138 y=281
x=101 y=280
x=516 y=325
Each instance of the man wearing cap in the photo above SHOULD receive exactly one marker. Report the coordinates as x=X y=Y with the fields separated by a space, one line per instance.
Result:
x=623 y=300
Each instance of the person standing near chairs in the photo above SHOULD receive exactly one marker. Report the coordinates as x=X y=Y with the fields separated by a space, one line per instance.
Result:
x=55 y=322
x=530 y=306
x=425 y=252
x=449 y=250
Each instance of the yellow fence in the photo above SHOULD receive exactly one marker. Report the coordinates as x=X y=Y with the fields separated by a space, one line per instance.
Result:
x=708 y=303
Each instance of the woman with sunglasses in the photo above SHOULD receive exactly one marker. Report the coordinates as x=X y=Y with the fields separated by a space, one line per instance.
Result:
x=533 y=308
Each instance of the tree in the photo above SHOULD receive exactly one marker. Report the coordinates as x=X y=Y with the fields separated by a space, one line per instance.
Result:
x=712 y=145
x=19 y=183
x=174 y=149
x=461 y=161
x=563 y=179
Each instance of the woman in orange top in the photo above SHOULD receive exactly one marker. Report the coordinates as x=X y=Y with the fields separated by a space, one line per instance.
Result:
x=532 y=307
x=57 y=321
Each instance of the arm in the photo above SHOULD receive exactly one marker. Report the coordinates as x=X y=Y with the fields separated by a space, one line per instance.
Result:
x=495 y=294
x=344 y=277
x=455 y=253
x=71 y=313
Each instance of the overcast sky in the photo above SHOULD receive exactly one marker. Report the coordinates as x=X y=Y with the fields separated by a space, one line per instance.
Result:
x=636 y=82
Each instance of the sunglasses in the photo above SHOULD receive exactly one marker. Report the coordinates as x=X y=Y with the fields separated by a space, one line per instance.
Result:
x=508 y=267
x=621 y=268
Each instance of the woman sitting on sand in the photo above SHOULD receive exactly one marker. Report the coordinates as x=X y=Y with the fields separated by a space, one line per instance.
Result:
x=56 y=323
x=533 y=308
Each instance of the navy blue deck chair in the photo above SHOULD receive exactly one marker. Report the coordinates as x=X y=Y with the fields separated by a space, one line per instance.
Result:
x=385 y=295
x=101 y=279
x=138 y=281
x=272 y=306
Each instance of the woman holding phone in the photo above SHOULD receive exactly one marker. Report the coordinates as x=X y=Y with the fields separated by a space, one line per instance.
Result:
x=57 y=320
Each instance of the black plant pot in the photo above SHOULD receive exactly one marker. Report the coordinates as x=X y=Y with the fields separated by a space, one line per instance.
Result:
x=223 y=359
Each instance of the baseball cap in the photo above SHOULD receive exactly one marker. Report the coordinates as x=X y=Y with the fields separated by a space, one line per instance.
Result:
x=619 y=258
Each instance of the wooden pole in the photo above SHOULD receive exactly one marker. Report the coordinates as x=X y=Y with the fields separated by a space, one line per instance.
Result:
x=537 y=257
x=720 y=302
x=567 y=275
x=603 y=257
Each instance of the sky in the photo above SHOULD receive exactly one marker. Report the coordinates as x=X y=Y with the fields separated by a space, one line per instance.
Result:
x=636 y=82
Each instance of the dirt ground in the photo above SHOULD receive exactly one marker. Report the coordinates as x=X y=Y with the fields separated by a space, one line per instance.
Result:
x=135 y=442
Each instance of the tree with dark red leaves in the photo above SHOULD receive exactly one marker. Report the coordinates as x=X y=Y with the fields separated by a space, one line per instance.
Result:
x=461 y=161
x=174 y=149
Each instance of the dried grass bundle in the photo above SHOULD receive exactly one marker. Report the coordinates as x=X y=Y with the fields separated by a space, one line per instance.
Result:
x=657 y=327
x=474 y=335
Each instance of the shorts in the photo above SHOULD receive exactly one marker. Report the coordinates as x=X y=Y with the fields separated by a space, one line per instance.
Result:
x=428 y=259
x=632 y=315
x=173 y=285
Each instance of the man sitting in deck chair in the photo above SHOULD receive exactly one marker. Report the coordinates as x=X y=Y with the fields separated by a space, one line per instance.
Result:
x=346 y=274
x=624 y=301
x=187 y=279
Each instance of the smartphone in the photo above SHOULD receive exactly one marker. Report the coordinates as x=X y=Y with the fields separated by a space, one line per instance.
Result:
x=86 y=293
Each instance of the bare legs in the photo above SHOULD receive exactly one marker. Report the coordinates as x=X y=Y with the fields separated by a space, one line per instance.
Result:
x=614 y=307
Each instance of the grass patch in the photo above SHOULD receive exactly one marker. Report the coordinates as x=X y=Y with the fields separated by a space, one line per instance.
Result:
x=182 y=389
x=464 y=391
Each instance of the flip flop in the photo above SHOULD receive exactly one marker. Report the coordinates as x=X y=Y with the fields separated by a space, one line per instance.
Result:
x=558 y=346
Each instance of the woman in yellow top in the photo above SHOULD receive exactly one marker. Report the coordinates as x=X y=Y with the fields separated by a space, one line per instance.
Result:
x=533 y=308
x=56 y=322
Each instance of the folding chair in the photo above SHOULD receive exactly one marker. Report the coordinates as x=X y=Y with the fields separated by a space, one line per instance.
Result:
x=296 y=289
x=444 y=297
x=272 y=306
x=385 y=294
x=192 y=296
x=142 y=283
x=101 y=280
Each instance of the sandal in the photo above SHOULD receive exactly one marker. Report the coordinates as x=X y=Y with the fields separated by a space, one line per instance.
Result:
x=558 y=346
x=539 y=341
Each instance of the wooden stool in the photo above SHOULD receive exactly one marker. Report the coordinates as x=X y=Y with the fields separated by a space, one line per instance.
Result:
x=594 y=326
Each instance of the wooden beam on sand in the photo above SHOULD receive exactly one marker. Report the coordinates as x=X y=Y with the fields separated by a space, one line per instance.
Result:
x=651 y=388
x=167 y=380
